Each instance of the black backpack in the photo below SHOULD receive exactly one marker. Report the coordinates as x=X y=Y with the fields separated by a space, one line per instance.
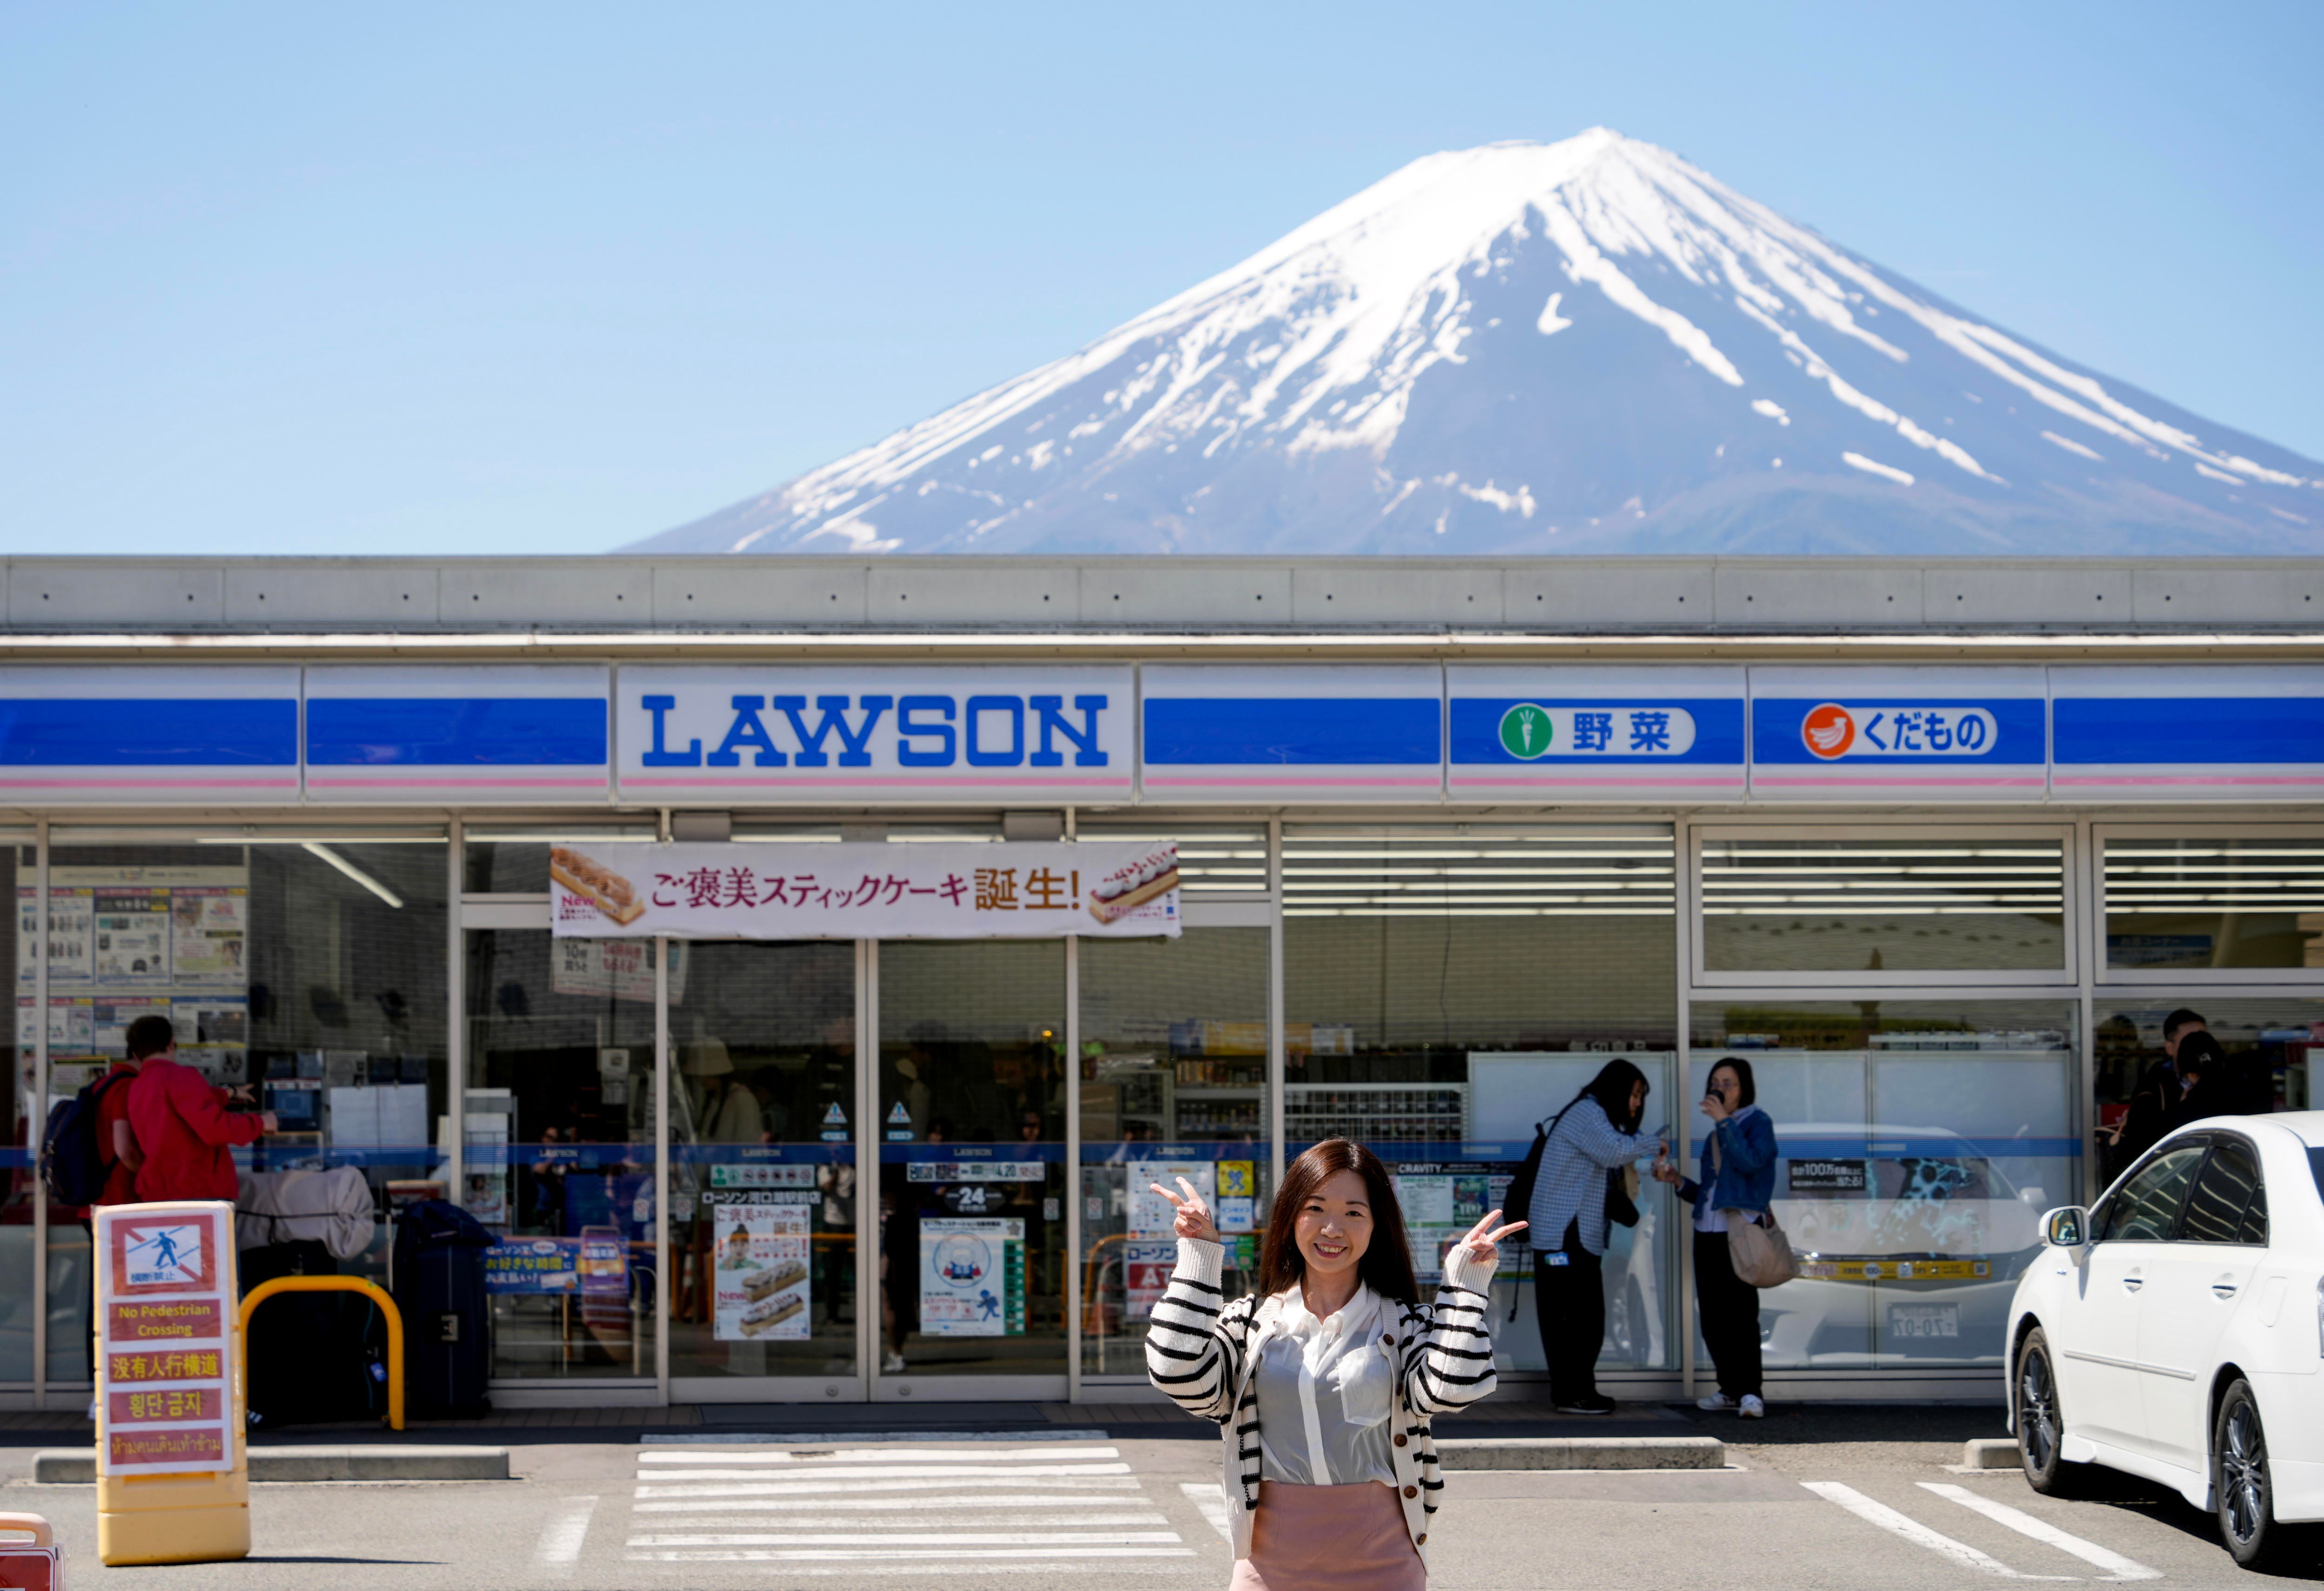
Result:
x=74 y=1162
x=1519 y=1198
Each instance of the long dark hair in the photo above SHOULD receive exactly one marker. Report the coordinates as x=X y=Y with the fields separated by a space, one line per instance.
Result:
x=1611 y=1089
x=1386 y=1266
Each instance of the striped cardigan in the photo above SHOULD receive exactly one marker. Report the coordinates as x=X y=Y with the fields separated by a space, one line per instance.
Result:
x=1201 y=1350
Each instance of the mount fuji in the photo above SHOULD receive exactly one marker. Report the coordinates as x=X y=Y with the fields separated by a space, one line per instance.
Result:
x=1587 y=347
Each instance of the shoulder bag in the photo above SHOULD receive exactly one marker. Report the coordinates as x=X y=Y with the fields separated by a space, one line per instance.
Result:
x=1755 y=1245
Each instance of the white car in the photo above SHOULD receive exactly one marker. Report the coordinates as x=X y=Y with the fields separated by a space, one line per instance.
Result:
x=2175 y=1330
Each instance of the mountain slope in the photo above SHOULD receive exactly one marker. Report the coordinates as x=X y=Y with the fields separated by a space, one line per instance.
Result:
x=1582 y=346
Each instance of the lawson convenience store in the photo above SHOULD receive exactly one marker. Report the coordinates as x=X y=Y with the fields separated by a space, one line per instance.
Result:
x=806 y=1008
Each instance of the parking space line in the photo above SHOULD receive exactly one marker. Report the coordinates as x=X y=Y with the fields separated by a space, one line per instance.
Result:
x=561 y=1537
x=2117 y=1566
x=1914 y=1531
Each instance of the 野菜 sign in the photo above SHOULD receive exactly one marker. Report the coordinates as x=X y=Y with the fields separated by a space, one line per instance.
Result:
x=864 y=891
x=166 y=1307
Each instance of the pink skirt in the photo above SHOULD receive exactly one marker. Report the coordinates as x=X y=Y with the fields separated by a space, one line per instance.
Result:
x=1329 y=1538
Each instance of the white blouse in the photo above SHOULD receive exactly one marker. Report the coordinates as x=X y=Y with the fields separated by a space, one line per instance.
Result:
x=1325 y=1389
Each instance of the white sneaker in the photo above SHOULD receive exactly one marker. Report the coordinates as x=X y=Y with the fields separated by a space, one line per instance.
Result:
x=892 y=1364
x=1716 y=1404
x=1752 y=1409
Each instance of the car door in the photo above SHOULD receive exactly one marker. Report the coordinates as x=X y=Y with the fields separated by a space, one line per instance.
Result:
x=2098 y=1346
x=2195 y=1283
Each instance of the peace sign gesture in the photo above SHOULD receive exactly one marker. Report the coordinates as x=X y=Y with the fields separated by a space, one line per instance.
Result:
x=1194 y=1219
x=1479 y=1245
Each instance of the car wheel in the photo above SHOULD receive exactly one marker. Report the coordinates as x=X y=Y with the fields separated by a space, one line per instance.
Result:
x=2242 y=1482
x=2041 y=1424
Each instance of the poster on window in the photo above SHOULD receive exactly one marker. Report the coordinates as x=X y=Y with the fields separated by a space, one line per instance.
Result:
x=972 y=1276
x=738 y=890
x=71 y=942
x=1146 y=1270
x=208 y=934
x=1153 y=1215
x=760 y=1259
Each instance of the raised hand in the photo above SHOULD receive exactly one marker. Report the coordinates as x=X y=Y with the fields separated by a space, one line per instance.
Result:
x=1194 y=1219
x=1482 y=1244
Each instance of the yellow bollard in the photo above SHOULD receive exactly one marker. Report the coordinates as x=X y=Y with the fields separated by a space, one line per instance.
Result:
x=172 y=1480
x=266 y=1290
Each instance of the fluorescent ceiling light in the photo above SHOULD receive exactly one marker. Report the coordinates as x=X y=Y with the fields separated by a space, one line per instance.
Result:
x=324 y=853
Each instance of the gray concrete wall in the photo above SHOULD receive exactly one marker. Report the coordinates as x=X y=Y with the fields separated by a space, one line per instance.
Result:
x=1552 y=595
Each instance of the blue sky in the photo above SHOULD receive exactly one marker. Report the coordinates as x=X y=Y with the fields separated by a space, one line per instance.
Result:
x=550 y=279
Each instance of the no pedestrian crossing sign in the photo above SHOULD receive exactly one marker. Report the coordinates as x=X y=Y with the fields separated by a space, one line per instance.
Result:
x=166 y=1307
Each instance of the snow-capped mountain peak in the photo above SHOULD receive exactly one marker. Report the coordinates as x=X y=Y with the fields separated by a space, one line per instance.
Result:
x=1585 y=345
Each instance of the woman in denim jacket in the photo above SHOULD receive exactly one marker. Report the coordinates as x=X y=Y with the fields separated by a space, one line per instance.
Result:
x=1738 y=1181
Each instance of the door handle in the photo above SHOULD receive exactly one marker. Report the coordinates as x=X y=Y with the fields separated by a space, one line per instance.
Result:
x=2133 y=1282
x=2224 y=1289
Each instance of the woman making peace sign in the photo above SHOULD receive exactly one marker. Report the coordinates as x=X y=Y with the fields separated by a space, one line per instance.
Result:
x=1325 y=1378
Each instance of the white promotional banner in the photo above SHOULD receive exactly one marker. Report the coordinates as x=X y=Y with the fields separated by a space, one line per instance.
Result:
x=738 y=890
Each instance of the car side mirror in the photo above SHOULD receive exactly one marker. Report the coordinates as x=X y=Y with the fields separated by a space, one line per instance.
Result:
x=2068 y=1228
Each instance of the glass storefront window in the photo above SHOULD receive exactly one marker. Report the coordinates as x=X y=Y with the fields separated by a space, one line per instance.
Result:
x=307 y=969
x=2179 y=903
x=1920 y=1140
x=501 y=859
x=2286 y=1034
x=558 y=1147
x=763 y=1123
x=1173 y=1083
x=1883 y=904
x=972 y=1121
x=1446 y=987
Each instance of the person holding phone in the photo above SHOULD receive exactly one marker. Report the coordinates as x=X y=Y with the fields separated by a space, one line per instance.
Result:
x=1738 y=1184
x=1596 y=1132
x=1323 y=1381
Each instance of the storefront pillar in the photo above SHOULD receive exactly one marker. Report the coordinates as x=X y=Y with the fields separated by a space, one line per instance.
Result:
x=664 y=1272
x=1275 y=1048
x=455 y=1019
x=34 y=1128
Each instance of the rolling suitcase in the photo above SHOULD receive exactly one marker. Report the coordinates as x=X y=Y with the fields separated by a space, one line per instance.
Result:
x=440 y=1288
x=315 y=1357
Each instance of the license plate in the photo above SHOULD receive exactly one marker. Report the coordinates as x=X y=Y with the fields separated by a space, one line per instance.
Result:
x=1924 y=1319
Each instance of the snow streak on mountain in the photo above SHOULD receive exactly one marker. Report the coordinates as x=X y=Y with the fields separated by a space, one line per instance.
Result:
x=1588 y=346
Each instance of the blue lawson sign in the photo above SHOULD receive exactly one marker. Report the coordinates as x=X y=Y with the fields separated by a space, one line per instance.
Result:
x=2188 y=733
x=527 y=733
x=250 y=735
x=1880 y=734
x=1237 y=734
x=1596 y=733
x=887 y=734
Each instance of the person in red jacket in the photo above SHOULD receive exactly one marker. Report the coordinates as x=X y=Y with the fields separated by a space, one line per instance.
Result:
x=184 y=1130
x=117 y=1140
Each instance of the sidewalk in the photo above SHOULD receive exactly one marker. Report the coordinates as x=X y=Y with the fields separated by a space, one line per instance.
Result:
x=1145 y=1420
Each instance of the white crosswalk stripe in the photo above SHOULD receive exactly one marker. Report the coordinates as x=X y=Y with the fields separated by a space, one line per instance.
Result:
x=2116 y=1567
x=1206 y=1496
x=1912 y=1529
x=967 y=1508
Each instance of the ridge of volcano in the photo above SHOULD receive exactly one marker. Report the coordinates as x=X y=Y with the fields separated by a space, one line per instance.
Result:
x=1586 y=346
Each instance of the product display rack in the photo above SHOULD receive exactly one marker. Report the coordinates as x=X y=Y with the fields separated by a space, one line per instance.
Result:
x=1375 y=1113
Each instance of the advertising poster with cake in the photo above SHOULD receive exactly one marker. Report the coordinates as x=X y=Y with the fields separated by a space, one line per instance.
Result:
x=1021 y=889
x=759 y=1260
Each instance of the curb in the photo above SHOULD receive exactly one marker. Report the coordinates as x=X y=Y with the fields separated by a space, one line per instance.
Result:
x=77 y=1466
x=1686 y=1452
x=1991 y=1453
